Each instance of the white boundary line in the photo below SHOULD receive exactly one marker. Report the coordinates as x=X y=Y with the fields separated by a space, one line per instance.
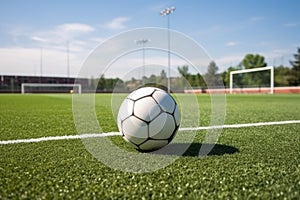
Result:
x=64 y=137
x=241 y=125
x=93 y=135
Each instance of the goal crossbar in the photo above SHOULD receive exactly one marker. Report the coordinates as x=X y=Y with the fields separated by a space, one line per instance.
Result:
x=271 y=68
x=23 y=85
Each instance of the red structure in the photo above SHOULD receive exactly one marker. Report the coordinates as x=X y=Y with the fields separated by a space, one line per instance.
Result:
x=262 y=90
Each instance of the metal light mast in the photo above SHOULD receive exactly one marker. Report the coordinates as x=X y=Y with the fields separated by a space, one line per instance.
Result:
x=143 y=42
x=167 y=12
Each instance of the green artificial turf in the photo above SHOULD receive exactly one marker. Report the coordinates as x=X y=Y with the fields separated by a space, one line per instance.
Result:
x=246 y=163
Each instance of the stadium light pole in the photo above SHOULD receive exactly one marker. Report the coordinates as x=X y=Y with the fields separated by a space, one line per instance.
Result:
x=167 y=12
x=68 y=60
x=143 y=42
x=41 y=64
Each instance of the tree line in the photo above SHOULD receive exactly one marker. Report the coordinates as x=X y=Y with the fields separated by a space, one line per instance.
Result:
x=283 y=76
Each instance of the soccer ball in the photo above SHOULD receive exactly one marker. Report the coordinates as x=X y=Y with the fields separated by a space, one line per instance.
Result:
x=148 y=118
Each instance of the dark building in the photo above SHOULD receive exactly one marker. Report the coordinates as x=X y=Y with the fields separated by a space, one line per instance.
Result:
x=12 y=84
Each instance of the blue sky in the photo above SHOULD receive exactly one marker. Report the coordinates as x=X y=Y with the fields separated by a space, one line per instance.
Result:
x=228 y=30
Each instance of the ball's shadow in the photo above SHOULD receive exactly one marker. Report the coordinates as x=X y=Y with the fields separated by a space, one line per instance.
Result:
x=182 y=149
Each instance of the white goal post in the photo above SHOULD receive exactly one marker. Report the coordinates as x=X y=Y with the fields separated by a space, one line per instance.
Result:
x=271 y=68
x=49 y=85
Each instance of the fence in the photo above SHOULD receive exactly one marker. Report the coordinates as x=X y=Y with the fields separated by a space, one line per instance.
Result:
x=257 y=90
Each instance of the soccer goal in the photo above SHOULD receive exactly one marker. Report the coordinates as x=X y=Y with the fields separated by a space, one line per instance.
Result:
x=50 y=88
x=270 y=88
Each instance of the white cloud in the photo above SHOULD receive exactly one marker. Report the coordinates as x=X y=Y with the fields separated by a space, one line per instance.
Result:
x=212 y=29
x=272 y=53
x=23 y=57
x=272 y=57
x=38 y=39
x=58 y=37
x=159 y=6
x=154 y=65
x=229 y=60
x=77 y=27
x=60 y=33
x=117 y=23
x=27 y=61
x=292 y=24
x=98 y=39
x=256 y=19
x=232 y=43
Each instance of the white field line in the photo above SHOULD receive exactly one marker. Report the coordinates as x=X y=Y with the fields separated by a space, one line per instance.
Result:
x=93 y=135
x=241 y=125
x=64 y=137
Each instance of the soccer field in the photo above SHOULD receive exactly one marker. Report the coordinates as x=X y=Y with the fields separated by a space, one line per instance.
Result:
x=247 y=162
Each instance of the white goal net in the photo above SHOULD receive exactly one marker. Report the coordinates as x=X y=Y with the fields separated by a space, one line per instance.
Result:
x=263 y=81
x=50 y=88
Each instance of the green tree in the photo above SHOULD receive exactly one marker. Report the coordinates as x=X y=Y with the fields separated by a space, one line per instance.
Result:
x=282 y=75
x=294 y=79
x=101 y=83
x=211 y=77
x=185 y=75
x=199 y=81
x=163 y=74
x=296 y=63
x=256 y=79
x=226 y=76
x=162 y=79
x=152 y=78
x=184 y=71
x=253 y=61
x=237 y=77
